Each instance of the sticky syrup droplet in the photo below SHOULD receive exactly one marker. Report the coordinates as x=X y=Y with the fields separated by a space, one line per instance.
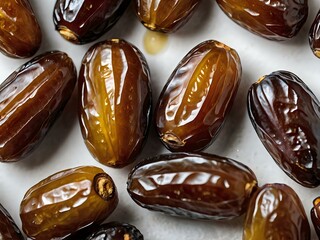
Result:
x=155 y=42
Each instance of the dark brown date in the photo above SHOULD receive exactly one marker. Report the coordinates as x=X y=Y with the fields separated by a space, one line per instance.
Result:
x=314 y=36
x=31 y=99
x=114 y=85
x=197 y=97
x=286 y=116
x=66 y=202
x=8 y=228
x=274 y=19
x=165 y=15
x=20 y=34
x=192 y=185
x=84 y=21
x=276 y=212
x=315 y=215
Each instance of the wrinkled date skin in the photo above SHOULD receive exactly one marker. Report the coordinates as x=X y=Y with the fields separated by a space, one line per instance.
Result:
x=192 y=185
x=314 y=36
x=8 y=228
x=198 y=95
x=315 y=215
x=285 y=114
x=84 y=21
x=31 y=99
x=66 y=202
x=20 y=33
x=275 y=19
x=115 y=104
x=165 y=15
x=276 y=212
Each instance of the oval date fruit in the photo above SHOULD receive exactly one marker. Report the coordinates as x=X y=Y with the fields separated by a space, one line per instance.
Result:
x=8 y=228
x=164 y=15
x=84 y=21
x=198 y=95
x=20 y=34
x=314 y=36
x=274 y=19
x=276 y=212
x=114 y=85
x=286 y=116
x=66 y=202
x=315 y=215
x=192 y=185
x=31 y=99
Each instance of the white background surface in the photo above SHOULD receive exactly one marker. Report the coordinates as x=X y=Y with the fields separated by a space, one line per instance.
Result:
x=63 y=147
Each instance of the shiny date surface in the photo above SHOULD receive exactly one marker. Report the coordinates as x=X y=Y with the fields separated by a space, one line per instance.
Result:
x=8 y=228
x=315 y=215
x=274 y=20
x=192 y=185
x=84 y=21
x=193 y=105
x=20 y=33
x=276 y=212
x=314 y=36
x=66 y=202
x=114 y=85
x=31 y=99
x=286 y=116
x=164 y=15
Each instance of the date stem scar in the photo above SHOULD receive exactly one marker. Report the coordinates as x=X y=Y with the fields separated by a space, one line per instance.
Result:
x=104 y=186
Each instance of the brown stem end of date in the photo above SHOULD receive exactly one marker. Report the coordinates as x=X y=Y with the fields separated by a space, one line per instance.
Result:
x=68 y=35
x=104 y=186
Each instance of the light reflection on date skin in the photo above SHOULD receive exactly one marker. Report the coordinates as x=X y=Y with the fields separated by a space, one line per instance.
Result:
x=314 y=36
x=8 y=228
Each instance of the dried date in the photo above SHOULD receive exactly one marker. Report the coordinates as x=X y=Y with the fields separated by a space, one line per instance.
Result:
x=193 y=104
x=20 y=33
x=8 y=228
x=66 y=202
x=192 y=185
x=274 y=20
x=314 y=36
x=276 y=212
x=315 y=215
x=84 y=21
x=115 y=104
x=286 y=116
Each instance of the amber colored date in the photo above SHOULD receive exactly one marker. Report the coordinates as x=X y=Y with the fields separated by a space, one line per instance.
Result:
x=276 y=212
x=8 y=228
x=197 y=97
x=192 y=185
x=84 y=21
x=66 y=202
x=31 y=99
x=315 y=215
x=164 y=15
x=314 y=36
x=20 y=34
x=286 y=116
x=274 y=20
x=114 y=85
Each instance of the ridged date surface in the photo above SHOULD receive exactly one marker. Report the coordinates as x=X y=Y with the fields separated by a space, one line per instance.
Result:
x=84 y=21
x=197 y=97
x=66 y=202
x=274 y=19
x=285 y=114
x=20 y=34
x=8 y=228
x=114 y=85
x=31 y=99
x=191 y=185
x=315 y=215
x=164 y=15
x=276 y=212
x=314 y=36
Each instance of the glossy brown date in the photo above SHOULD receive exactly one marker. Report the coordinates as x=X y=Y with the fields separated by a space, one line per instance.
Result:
x=164 y=15
x=31 y=99
x=20 y=34
x=66 y=202
x=114 y=85
x=274 y=19
x=197 y=97
x=276 y=212
x=315 y=215
x=84 y=21
x=286 y=116
x=314 y=36
x=8 y=228
x=192 y=185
